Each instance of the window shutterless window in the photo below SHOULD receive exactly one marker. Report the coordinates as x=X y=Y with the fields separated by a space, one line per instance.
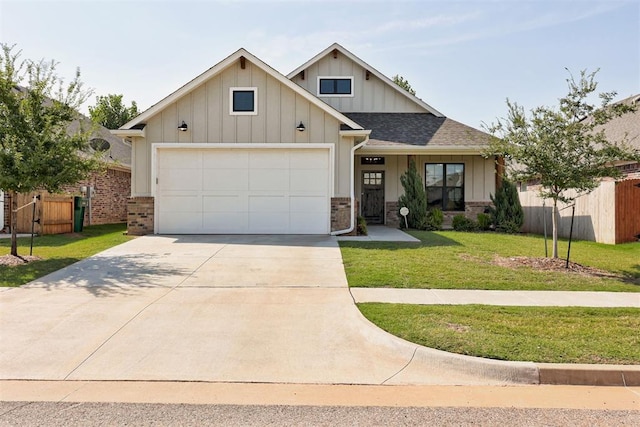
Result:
x=444 y=184
x=243 y=101
x=335 y=86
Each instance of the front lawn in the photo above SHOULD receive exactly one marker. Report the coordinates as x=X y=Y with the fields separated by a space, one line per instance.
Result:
x=58 y=251
x=458 y=260
x=536 y=334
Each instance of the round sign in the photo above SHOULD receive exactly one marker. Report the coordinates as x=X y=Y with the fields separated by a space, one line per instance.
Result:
x=404 y=211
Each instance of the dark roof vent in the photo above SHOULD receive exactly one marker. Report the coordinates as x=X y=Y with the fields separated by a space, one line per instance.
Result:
x=99 y=144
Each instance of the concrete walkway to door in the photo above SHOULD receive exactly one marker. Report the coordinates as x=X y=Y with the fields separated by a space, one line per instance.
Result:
x=268 y=309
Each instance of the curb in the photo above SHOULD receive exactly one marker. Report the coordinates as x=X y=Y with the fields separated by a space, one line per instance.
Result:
x=592 y=375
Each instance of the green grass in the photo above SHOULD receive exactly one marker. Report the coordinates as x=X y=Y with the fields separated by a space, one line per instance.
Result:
x=536 y=334
x=58 y=251
x=458 y=260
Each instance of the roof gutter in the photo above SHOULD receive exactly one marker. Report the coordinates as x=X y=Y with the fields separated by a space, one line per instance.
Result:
x=352 y=225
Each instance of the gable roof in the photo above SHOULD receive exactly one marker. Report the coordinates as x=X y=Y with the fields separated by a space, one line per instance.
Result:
x=419 y=130
x=625 y=127
x=219 y=67
x=369 y=68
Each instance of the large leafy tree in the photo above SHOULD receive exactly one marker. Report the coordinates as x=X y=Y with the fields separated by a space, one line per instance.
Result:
x=403 y=83
x=37 y=150
x=561 y=147
x=111 y=112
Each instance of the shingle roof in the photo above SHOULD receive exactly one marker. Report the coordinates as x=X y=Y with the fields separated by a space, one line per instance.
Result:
x=626 y=126
x=417 y=129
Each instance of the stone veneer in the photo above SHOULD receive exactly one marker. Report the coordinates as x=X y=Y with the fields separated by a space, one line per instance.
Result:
x=140 y=216
x=341 y=214
x=393 y=214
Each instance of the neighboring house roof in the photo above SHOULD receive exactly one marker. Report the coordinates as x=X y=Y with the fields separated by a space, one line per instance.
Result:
x=413 y=130
x=367 y=67
x=119 y=151
x=625 y=127
x=231 y=59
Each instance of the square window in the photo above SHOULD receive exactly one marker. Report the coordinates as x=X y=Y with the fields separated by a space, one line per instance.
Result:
x=243 y=101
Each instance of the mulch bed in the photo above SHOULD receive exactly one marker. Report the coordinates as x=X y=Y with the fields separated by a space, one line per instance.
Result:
x=17 y=260
x=550 y=264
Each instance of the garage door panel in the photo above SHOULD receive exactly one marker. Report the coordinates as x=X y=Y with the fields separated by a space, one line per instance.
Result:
x=275 y=204
x=225 y=180
x=181 y=203
x=268 y=222
x=179 y=179
x=180 y=159
x=180 y=222
x=308 y=181
x=223 y=222
x=276 y=159
x=227 y=159
x=269 y=180
x=309 y=159
x=308 y=204
x=308 y=223
x=224 y=203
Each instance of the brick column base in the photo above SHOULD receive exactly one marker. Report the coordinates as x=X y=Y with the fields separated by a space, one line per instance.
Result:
x=341 y=214
x=140 y=216
x=393 y=214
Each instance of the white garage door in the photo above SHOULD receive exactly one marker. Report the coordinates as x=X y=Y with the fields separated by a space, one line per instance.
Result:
x=243 y=191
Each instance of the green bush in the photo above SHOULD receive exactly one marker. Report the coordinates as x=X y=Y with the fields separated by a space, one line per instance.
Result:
x=506 y=213
x=362 y=226
x=484 y=221
x=462 y=223
x=435 y=217
x=414 y=198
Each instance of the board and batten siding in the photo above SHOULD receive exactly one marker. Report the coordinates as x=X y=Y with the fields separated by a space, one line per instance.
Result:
x=206 y=112
x=479 y=175
x=370 y=96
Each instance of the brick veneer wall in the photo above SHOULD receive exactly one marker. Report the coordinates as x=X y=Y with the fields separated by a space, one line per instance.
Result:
x=140 y=216
x=109 y=203
x=393 y=214
x=341 y=214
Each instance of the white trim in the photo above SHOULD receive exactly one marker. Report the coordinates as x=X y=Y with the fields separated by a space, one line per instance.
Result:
x=123 y=133
x=433 y=150
x=352 y=192
x=334 y=95
x=364 y=132
x=246 y=146
x=219 y=67
x=369 y=68
x=255 y=101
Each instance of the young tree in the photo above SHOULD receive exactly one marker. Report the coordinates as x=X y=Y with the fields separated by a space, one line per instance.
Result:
x=404 y=84
x=111 y=112
x=414 y=198
x=562 y=147
x=37 y=151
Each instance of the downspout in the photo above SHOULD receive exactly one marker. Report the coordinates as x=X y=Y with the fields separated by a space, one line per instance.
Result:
x=353 y=189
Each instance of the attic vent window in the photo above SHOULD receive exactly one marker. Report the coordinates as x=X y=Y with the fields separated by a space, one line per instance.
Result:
x=243 y=101
x=335 y=86
x=372 y=160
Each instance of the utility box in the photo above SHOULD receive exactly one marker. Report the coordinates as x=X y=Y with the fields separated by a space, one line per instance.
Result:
x=79 y=204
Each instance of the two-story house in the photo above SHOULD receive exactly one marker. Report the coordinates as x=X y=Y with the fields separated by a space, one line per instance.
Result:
x=244 y=149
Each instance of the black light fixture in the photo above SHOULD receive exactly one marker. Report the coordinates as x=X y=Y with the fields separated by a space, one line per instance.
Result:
x=300 y=127
x=183 y=127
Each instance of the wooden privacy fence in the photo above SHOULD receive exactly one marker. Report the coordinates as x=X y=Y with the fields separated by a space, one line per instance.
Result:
x=609 y=214
x=54 y=211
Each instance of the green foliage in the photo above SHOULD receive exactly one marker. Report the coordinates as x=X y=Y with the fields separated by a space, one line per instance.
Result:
x=506 y=213
x=37 y=148
x=462 y=223
x=404 y=84
x=484 y=221
x=362 y=226
x=563 y=148
x=435 y=217
x=414 y=198
x=111 y=112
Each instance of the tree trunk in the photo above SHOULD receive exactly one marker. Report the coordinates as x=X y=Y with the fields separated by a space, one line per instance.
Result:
x=554 y=221
x=14 y=223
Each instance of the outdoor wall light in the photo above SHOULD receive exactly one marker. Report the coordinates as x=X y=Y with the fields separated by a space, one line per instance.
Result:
x=183 y=127
x=300 y=127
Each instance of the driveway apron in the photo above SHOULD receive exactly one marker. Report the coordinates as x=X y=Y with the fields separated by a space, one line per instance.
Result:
x=272 y=309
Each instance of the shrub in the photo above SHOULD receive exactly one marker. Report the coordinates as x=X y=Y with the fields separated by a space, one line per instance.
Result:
x=414 y=198
x=362 y=226
x=462 y=223
x=484 y=221
x=506 y=213
x=435 y=217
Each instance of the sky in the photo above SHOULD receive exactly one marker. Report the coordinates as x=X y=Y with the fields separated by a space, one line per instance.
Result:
x=464 y=58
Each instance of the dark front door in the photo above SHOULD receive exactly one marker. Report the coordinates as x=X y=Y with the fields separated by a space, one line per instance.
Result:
x=373 y=197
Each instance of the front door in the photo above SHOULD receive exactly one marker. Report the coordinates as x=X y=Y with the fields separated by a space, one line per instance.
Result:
x=373 y=197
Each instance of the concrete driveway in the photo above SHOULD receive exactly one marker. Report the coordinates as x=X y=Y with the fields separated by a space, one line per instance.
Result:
x=273 y=309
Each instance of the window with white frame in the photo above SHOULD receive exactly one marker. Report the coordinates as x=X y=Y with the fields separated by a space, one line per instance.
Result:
x=243 y=101
x=335 y=86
